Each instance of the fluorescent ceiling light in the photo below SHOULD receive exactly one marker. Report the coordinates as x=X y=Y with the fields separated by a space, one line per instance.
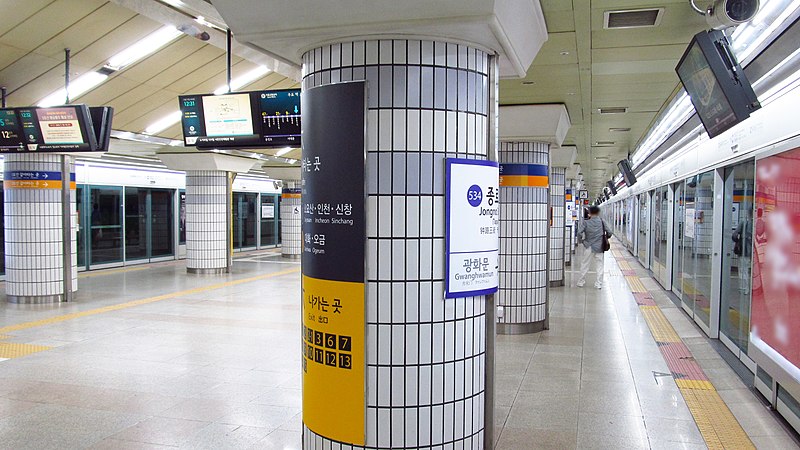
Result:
x=283 y=151
x=144 y=47
x=164 y=123
x=77 y=87
x=243 y=80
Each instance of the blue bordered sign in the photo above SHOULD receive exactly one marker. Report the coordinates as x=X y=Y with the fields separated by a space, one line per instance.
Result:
x=472 y=221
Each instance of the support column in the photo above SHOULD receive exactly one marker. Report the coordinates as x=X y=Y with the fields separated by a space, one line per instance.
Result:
x=523 y=236
x=568 y=225
x=36 y=205
x=425 y=354
x=208 y=221
x=291 y=221
x=557 y=202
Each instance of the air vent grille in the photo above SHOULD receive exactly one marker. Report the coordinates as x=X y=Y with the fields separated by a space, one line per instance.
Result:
x=636 y=18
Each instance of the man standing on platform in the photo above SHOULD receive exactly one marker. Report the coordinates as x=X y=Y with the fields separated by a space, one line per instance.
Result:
x=594 y=233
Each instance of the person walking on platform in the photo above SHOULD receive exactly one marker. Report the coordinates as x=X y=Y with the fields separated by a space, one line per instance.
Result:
x=594 y=233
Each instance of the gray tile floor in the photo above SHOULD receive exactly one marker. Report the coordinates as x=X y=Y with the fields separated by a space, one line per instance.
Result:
x=219 y=369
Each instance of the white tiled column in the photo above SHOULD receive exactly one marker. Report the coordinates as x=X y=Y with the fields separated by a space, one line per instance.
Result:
x=34 y=244
x=291 y=223
x=568 y=225
x=523 y=243
x=425 y=355
x=207 y=221
x=557 y=199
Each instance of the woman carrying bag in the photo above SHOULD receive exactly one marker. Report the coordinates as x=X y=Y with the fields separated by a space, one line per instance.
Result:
x=594 y=232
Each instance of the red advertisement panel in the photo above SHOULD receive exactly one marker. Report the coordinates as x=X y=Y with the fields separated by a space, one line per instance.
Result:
x=775 y=315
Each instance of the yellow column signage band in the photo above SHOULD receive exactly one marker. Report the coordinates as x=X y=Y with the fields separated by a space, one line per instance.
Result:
x=333 y=359
x=524 y=175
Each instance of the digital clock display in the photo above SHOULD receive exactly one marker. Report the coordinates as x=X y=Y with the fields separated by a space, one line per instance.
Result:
x=10 y=136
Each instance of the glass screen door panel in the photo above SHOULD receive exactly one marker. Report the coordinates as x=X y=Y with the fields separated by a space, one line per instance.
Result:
x=135 y=223
x=269 y=222
x=737 y=251
x=244 y=219
x=688 y=289
x=677 y=239
x=161 y=224
x=105 y=225
x=704 y=251
x=148 y=223
x=643 y=223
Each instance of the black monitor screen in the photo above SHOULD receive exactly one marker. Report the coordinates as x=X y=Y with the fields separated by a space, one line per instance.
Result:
x=242 y=120
x=627 y=172
x=716 y=84
x=58 y=129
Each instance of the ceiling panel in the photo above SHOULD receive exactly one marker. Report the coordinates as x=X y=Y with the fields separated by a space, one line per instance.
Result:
x=20 y=10
x=48 y=22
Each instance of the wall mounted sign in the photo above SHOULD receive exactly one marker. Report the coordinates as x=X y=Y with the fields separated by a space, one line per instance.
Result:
x=334 y=254
x=472 y=242
x=35 y=180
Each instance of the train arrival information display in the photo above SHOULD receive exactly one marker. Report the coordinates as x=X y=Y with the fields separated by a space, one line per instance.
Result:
x=60 y=129
x=255 y=119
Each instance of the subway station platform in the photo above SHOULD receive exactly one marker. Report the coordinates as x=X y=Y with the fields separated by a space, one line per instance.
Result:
x=148 y=357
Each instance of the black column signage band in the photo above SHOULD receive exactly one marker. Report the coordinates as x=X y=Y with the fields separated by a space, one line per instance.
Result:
x=333 y=168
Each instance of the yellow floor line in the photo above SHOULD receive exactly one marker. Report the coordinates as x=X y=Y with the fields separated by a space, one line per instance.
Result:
x=158 y=298
x=14 y=350
x=100 y=273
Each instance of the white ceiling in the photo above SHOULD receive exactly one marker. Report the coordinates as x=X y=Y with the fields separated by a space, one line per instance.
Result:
x=588 y=67
x=581 y=65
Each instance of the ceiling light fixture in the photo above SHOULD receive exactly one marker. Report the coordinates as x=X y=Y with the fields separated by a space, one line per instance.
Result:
x=619 y=130
x=164 y=123
x=144 y=47
x=283 y=151
x=77 y=87
x=243 y=80
x=613 y=110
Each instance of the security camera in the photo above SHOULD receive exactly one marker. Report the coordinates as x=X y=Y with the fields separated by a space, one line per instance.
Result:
x=730 y=13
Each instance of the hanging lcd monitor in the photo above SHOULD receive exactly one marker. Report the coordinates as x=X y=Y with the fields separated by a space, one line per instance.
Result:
x=101 y=124
x=627 y=172
x=258 y=119
x=716 y=84
x=62 y=129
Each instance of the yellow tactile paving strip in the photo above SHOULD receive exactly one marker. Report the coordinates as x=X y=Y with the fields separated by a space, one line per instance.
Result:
x=716 y=422
x=131 y=304
x=15 y=350
x=635 y=284
x=659 y=325
x=717 y=425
